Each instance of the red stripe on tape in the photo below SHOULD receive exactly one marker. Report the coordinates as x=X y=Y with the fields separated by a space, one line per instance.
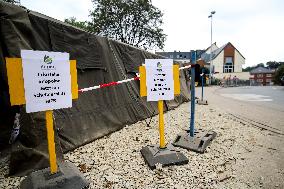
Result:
x=108 y=84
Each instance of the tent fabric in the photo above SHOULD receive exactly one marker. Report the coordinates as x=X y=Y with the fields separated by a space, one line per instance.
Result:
x=95 y=113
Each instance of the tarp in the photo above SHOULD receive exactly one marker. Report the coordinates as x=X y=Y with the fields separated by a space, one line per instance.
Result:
x=95 y=113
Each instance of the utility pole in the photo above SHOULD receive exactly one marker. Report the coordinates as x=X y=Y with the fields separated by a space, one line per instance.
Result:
x=210 y=64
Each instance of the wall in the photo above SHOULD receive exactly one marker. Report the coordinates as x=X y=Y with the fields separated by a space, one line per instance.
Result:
x=239 y=61
x=218 y=62
x=240 y=75
x=262 y=78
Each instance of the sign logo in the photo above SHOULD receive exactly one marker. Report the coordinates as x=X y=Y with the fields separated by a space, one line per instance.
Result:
x=159 y=65
x=47 y=59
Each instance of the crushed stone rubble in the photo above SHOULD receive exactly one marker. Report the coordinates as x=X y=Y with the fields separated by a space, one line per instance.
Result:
x=115 y=161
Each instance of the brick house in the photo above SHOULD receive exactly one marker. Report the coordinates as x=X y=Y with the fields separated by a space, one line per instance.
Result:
x=261 y=76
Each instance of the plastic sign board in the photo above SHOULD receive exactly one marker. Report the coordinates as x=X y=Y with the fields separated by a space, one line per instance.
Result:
x=160 y=79
x=47 y=80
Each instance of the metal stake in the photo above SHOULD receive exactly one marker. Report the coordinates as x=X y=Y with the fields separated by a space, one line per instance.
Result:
x=192 y=95
x=202 y=86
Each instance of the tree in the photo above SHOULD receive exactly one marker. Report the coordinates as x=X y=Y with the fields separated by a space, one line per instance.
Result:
x=260 y=65
x=80 y=24
x=278 y=74
x=249 y=68
x=135 y=22
x=270 y=65
x=13 y=1
x=274 y=64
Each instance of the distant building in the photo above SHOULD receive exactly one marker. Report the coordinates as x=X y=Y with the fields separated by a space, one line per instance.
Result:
x=261 y=76
x=226 y=59
x=181 y=56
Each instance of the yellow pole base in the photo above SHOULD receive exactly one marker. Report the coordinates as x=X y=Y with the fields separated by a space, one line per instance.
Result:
x=161 y=124
x=50 y=141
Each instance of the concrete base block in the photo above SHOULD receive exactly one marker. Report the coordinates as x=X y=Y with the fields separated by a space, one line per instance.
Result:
x=153 y=155
x=198 y=143
x=202 y=102
x=68 y=176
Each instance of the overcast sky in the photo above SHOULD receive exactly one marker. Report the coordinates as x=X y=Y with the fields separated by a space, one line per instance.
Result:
x=254 y=27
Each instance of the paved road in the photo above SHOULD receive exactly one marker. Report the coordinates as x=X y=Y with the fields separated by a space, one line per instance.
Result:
x=264 y=104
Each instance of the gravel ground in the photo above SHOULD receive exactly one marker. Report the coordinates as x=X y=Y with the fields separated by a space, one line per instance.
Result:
x=235 y=159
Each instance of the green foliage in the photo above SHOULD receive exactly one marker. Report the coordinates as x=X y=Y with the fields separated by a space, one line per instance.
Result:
x=79 y=24
x=278 y=74
x=274 y=64
x=260 y=65
x=215 y=81
x=248 y=69
x=269 y=65
x=135 y=22
x=12 y=1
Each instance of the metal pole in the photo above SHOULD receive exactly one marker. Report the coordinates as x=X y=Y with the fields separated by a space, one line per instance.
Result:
x=210 y=64
x=192 y=96
x=202 y=85
x=210 y=71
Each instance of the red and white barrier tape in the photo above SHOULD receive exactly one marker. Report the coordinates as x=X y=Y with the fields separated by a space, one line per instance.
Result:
x=117 y=82
x=108 y=84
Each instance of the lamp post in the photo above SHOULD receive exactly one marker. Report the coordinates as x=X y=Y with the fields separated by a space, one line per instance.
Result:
x=210 y=64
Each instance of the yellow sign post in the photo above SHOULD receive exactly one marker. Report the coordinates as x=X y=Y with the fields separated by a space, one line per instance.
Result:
x=50 y=140
x=17 y=97
x=143 y=93
x=67 y=175
x=163 y=153
x=161 y=124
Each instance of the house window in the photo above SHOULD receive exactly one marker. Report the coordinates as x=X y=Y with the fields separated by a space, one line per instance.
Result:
x=171 y=56
x=228 y=60
x=260 y=75
x=259 y=80
x=228 y=66
x=268 y=80
x=177 y=56
x=268 y=75
x=228 y=69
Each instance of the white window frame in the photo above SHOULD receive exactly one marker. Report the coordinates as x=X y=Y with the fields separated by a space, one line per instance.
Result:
x=228 y=68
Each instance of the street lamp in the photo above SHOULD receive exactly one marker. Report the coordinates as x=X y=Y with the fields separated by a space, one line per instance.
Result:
x=210 y=64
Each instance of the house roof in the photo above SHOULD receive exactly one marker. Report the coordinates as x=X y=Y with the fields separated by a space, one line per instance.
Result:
x=210 y=46
x=206 y=57
x=260 y=70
